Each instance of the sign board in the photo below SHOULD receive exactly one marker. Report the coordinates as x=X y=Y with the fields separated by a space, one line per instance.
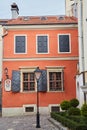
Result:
x=7 y=85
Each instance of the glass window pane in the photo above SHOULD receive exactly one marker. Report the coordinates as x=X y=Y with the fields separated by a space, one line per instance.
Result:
x=25 y=76
x=25 y=86
x=28 y=82
x=20 y=44
x=42 y=44
x=64 y=43
x=55 y=81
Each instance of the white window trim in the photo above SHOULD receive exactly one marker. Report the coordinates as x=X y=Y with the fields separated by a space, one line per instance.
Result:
x=55 y=69
x=69 y=43
x=47 y=43
x=54 y=105
x=29 y=105
x=25 y=43
x=24 y=70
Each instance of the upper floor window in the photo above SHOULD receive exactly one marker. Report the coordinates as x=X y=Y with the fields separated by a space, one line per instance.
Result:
x=64 y=43
x=20 y=44
x=42 y=44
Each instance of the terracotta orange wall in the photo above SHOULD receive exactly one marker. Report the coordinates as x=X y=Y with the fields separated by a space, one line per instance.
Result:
x=31 y=43
x=10 y=99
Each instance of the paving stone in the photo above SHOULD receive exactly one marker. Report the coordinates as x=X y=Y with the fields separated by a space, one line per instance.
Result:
x=25 y=123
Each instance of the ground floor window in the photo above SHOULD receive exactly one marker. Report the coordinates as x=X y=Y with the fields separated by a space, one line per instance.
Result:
x=55 y=78
x=28 y=81
x=27 y=78
x=55 y=81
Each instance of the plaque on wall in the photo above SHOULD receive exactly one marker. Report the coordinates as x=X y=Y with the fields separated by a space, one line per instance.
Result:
x=7 y=85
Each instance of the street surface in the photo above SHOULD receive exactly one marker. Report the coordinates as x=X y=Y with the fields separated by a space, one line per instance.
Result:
x=25 y=123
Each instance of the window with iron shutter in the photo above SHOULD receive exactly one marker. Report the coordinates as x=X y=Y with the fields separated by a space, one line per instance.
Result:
x=20 y=44
x=15 y=81
x=64 y=43
x=42 y=44
x=42 y=84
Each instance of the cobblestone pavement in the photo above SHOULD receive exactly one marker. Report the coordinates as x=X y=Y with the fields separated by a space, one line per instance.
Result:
x=25 y=123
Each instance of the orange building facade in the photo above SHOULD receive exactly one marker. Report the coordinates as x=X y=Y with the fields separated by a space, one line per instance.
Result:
x=50 y=44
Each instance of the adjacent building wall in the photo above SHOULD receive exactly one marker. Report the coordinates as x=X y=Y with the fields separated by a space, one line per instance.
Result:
x=82 y=36
x=1 y=50
x=71 y=8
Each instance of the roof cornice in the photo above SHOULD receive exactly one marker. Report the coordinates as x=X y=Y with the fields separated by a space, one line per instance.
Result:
x=52 y=26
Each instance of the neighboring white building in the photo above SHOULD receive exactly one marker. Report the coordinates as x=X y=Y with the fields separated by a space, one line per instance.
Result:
x=1 y=42
x=81 y=78
x=78 y=9
x=1 y=33
x=71 y=8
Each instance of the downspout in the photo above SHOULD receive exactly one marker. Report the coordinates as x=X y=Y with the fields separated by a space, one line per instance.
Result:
x=81 y=44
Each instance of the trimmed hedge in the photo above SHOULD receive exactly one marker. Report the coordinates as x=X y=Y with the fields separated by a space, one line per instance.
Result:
x=78 y=119
x=84 y=110
x=65 y=105
x=70 y=123
x=74 y=102
x=74 y=111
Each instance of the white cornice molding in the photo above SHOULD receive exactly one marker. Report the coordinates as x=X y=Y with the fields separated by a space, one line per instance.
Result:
x=41 y=59
x=45 y=27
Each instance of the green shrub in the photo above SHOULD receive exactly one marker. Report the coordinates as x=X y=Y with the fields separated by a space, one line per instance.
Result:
x=70 y=123
x=81 y=127
x=62 y=113
x=74 y=111
x=84 y=110
x=74 y=102
x=65 y=105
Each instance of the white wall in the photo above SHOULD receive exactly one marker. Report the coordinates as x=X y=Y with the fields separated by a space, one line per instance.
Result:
x=82 y=36
x=68 y=4
x=1 y=49
x=85 y=32
x=68 y=8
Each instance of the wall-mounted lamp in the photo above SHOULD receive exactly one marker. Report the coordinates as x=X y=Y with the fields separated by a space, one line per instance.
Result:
x=6 y=72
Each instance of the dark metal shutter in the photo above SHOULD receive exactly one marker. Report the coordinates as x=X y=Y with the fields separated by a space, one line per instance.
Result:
x=64 y=43
x=42 y=84
x=20 y=44
x=42 y=44
x=15 y=81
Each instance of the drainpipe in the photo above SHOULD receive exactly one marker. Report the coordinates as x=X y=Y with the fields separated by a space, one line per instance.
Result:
x=80 y=31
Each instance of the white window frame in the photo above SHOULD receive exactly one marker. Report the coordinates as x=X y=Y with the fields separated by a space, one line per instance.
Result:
x=25 y=43
x=29 y=105
x=55 y=69
x=37 y=43
x=54 y=105
x=26 y=70
x=69 y=42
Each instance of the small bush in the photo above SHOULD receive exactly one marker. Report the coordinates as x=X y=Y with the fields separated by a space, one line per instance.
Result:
x=74 y=102
x=65 y=105
x=84 y=110
x=74 y=111
x=70 y=123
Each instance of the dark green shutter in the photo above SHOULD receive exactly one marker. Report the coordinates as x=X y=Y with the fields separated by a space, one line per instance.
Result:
x=42 y=84
x=15 y=81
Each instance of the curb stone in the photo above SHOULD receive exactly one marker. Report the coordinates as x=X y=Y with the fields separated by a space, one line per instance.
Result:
x=57 y=124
